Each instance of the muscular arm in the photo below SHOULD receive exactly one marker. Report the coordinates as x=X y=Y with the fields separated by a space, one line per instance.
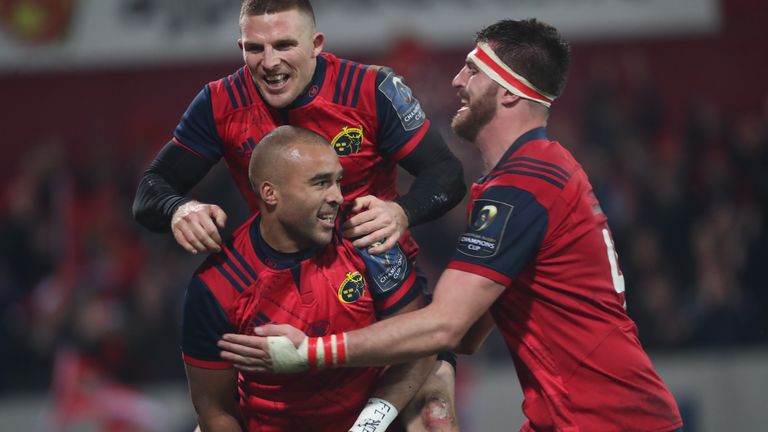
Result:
x=460 y=299
x=439 y=180
x=161 y=190
x=213 y=395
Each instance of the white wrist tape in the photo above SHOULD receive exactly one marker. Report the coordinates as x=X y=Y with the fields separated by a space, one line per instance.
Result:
x=286 y=358
x=377 y=415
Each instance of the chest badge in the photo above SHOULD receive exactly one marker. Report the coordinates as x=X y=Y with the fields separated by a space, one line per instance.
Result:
x=352 y=287
x=348 y=141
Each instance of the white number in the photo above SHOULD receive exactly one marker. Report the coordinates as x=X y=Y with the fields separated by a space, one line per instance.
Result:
x=618 y=278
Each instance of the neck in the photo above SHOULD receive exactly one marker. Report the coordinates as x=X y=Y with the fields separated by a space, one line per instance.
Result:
x=277 y=237
x=500 y=133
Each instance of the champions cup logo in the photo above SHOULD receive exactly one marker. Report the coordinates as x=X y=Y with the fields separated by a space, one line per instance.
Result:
x=485 y=217
x=352 y=288
x=348 y=141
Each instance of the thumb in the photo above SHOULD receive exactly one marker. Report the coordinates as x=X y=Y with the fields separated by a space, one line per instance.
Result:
x=271 y=330
x=361 y=203
x=219 y=216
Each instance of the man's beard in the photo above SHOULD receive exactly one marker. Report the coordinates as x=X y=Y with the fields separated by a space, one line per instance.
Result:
x=467 y=124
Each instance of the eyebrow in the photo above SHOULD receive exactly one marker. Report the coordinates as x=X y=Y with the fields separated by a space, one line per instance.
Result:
x=287 y=41
x=320 y=176
x=324 y=176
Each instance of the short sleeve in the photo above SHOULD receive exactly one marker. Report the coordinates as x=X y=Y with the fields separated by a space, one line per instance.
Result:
x=391 y=279
x=505 y=231
x=401 y=120
x=197 y=129
x=204 y=322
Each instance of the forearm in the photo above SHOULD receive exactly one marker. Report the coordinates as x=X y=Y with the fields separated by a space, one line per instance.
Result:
x=439 y=183
x=155 y=202
x=163 y=186
x=403 y=338
x=401 y=382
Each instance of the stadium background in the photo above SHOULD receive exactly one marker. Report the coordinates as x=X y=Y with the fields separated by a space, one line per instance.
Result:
x=666 y=108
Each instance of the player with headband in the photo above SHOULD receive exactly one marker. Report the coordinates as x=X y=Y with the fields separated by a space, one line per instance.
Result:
x=536 y=260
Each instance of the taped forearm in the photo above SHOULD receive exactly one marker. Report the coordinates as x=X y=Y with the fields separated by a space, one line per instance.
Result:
x=438 y=185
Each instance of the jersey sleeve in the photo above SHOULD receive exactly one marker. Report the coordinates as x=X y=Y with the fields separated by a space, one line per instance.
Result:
x=197 y=129
x=506 y=229
x=204 y=322
x=391 y=279
x=401 y=121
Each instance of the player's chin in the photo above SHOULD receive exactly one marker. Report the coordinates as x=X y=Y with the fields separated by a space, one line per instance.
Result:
x=277 y=99
x=323 y=235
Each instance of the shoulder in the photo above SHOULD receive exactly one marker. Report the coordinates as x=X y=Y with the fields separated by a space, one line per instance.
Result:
x=350 y=82
x=542 y=168
x=230 y=272
x=232 y=92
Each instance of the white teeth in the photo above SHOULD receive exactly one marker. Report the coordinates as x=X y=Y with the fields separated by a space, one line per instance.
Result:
x=275 y=78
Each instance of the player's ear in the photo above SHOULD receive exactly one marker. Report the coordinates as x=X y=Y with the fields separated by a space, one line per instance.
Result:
x=268 y=193
x=508 y=98
x=240 y=43
x=318 y=42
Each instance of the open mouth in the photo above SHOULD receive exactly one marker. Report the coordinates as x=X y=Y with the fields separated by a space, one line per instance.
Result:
x=327 y=219
x=276 y=81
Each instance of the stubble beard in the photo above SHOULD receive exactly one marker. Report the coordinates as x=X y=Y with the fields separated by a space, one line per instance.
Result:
x=467 y=124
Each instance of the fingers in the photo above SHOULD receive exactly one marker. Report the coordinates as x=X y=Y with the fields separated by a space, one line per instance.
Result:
x=246 y=363
x=380 y=248
x=362 y=203
x=194 y=227
x=378 y=227
x=247 y=353
x=219 y=216
x=274 y=330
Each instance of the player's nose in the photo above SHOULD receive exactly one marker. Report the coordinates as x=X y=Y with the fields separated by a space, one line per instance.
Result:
x=460 y=79
x=271 y=58
x=335 y=196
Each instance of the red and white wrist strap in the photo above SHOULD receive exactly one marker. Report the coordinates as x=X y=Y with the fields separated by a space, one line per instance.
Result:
x=314 y=353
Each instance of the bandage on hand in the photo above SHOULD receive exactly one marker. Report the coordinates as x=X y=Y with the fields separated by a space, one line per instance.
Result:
x=312 y=354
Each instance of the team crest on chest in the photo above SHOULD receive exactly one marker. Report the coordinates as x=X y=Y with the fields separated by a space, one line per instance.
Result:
x=352 y=287
x=348 y=141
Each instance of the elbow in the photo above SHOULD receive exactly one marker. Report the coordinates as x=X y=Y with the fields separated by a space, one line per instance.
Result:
x=449 y=337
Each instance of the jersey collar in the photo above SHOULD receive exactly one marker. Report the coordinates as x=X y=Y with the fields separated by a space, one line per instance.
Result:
x=274 y=258
x=539 y=133
x=314 y=86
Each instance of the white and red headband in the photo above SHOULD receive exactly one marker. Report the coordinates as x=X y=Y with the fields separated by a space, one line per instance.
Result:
x=487 y=61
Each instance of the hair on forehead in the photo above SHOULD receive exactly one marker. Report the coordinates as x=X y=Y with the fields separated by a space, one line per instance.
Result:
x=265 y=158
x=262 y=7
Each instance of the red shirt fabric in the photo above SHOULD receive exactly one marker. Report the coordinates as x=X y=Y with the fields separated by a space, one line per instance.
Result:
x=333 y=289
x=536 y=227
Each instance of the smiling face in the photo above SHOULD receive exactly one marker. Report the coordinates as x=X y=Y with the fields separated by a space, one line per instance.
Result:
x=308 y=195
x=478 y=101
x=280 y=49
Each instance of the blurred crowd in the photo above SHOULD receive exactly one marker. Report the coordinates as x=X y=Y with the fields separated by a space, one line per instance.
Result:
x=89 y=301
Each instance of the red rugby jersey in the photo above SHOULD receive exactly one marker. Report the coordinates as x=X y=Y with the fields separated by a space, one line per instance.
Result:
x=367 y=113
x=329 y=290
x=536 y=227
